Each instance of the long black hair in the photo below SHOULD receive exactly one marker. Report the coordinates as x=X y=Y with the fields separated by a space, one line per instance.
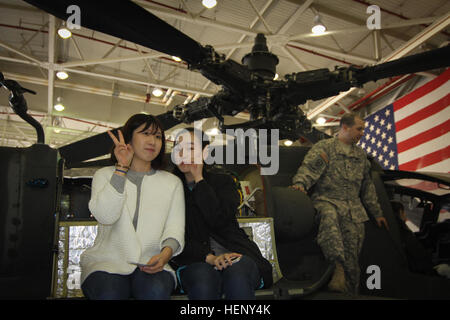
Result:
x=135 y=122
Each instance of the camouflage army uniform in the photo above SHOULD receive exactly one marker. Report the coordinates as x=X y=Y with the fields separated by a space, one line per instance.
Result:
x=342 y=183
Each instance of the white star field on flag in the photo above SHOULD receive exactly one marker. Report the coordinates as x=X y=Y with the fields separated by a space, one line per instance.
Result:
x=379 y=138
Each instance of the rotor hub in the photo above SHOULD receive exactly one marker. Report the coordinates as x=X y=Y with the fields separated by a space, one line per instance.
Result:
x=260 y=60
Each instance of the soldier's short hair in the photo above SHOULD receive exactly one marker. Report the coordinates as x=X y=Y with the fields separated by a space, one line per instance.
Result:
x=348 y=119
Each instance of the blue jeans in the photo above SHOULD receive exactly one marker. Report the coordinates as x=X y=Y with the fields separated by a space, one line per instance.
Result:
x=102 y=285
x=238 y=282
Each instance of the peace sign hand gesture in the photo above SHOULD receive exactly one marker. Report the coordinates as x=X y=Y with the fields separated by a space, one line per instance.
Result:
x=123 y=152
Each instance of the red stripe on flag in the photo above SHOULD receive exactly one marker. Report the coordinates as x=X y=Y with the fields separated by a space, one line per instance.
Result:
x=427 y=160
x=424 y=137
x=423 y=90
x=426 y=112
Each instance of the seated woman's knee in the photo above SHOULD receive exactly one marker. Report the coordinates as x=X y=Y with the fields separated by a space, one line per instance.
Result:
x=156 y=286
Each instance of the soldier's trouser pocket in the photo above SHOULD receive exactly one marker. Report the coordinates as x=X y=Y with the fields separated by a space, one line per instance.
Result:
x=329 y=237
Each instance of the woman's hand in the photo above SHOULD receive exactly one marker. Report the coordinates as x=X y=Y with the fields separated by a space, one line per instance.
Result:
x=157 y=262
x=123 y=152
x=223 y=261
x=197 y=171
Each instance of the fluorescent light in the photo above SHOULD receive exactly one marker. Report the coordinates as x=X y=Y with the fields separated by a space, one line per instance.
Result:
x=62 y=75
x=177 y=59
x=288 y=143
x=209 y=3
x=59 y=107
x=64 y=33
x=318 y=29
x=321 y=120
x=318 y=26
x=157 y=92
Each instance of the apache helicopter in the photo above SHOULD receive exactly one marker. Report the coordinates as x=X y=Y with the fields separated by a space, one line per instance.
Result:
x=245 y=87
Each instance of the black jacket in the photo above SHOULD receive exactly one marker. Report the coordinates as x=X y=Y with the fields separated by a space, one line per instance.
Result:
x=211 y=209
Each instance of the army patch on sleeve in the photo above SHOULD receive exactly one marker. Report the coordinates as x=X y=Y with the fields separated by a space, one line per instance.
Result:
x=318 y=164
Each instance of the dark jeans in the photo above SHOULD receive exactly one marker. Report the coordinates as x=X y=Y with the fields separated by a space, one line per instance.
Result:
x=238 y=282
x=101 y=285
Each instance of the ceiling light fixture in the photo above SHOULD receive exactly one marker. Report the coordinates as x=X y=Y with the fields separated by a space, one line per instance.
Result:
x=177 y=59
x=209 y=3
x=318 y=26
x=288 y=143
x=62 y=75
x=59 y=106
x=321 y=120
x=157 y=92
x=63 y=32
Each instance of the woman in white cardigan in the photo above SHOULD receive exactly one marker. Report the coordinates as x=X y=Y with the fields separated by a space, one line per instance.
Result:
x=140 y=214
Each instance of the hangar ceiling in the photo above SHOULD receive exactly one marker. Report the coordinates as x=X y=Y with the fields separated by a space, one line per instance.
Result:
x=110 y=79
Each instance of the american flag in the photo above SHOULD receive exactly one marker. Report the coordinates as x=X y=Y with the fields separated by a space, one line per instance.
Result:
x=412 y=134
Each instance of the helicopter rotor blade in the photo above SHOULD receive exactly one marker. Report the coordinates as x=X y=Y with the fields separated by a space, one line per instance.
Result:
x=322 y=83
x=88 y=148
x=126 y=20
x=424 y=61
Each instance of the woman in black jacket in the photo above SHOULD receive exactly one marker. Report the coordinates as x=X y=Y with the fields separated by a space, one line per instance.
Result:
x=218 y=256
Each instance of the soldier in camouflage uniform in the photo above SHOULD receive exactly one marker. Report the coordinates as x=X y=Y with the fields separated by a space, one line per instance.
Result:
x=340 y=173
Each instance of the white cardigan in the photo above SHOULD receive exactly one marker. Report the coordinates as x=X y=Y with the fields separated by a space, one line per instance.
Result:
x=161 y=216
